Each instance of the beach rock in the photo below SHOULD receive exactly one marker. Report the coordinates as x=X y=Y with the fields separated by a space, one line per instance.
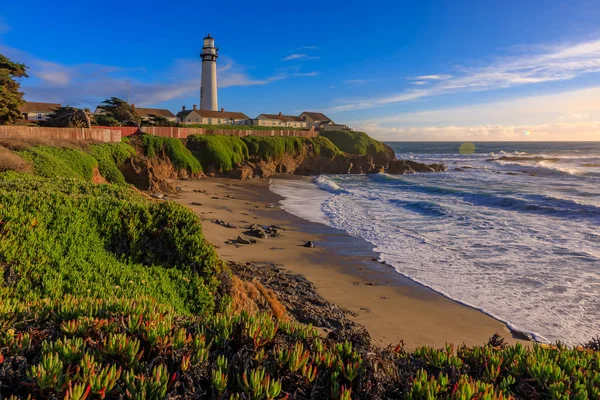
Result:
x=409 y=167
x=459 y=169
x=195 y=203
x=378 y=169
x=522 y=335
x=242 y=173
x=258 y=233
x=309 y=244
x=226 y=224
x=243 y=240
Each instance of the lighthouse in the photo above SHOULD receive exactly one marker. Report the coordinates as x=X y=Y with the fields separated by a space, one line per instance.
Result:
x=208 y=86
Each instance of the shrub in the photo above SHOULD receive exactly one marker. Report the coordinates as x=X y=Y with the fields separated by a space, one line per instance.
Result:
x=273 y=148
x=221 y=153
x=355 y=143
x=172 y=148
x=52 y=162
x=109 y=157
x=63 y=236
x=140 y=348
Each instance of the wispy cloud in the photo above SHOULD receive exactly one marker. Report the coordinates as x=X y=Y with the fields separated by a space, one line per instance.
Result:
x=355 y=81
x=299 y=56
x=306 y=74
x=545 y=64
x=432 y=77
x=307 y=48
x=86 y=84
x=570 y=115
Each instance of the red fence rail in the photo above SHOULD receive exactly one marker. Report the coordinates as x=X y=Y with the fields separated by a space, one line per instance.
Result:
x=113 y=134
x=97 y=134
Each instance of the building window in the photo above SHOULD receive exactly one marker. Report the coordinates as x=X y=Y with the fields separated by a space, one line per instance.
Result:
x=210 y=120
x=39 y=115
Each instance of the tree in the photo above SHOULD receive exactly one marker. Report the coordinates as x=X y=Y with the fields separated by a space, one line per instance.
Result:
x=69 y=117
x=156 y=120
x=10 y=96
x=119 y=110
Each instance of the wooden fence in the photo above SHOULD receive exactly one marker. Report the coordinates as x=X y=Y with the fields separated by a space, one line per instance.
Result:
x=113 y=134
x=96 y=134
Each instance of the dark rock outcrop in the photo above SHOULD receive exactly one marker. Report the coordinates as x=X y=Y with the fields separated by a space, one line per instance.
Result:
x=410 y=167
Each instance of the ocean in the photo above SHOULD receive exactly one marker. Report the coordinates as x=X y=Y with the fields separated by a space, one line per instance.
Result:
x=512 y=229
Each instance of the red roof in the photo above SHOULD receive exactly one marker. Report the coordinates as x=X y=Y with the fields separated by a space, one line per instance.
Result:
x=285 y=118
x=34 y=107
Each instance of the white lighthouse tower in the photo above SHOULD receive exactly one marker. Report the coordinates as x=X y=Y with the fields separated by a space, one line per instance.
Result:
x=208 y=87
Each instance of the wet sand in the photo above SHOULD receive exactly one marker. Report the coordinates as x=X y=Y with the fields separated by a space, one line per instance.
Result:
x=391 y=307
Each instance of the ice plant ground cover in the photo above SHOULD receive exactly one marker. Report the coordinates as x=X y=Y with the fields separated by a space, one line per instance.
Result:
x=106 y=294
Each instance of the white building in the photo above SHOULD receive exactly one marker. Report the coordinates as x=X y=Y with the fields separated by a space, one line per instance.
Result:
x=280 y=120
x=208 y=86
x=315 y=119
x=210 y=117
x=33 y=111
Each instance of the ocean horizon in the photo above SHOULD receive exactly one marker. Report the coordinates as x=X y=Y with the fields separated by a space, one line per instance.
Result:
x=510 y=228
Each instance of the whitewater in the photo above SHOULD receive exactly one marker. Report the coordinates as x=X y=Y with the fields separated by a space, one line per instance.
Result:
x=511 y=229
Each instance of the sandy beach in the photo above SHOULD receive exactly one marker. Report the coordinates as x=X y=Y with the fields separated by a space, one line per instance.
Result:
x=391 y=307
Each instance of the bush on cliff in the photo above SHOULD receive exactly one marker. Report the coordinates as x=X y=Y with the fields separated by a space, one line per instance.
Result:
x=109 y=157
x=173 y=149
x=221 y=153
x=357 y=143
x=64 y=236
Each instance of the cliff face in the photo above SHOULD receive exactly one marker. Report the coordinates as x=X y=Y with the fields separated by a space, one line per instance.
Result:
x=307 y=161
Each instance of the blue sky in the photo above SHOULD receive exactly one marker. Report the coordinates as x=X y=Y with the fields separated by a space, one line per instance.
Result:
x=427 y=70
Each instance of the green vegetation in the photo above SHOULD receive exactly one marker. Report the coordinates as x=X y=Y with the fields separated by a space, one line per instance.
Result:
x=174 y=149
x=356 y=143
x=10 y=95
x=64 y=236
x=109 y=157
x=52 y=162
x=141 y=349
x=219 y=152
x=243 y=127
x=223 y=153
x=116 y=112
x=272 y=148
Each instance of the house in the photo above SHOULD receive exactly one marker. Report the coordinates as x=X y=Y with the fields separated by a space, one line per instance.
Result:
x=280 y=120
x=33 y=111
x=146 y=113
x=210 y=117
x=316 y=119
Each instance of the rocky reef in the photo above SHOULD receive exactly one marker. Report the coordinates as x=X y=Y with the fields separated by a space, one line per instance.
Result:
x=410 y=167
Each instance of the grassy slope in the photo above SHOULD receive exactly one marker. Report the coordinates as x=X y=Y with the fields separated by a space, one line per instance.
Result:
x=64 y=236
x=223 y=153
x=356 y=143
x=174 y=149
